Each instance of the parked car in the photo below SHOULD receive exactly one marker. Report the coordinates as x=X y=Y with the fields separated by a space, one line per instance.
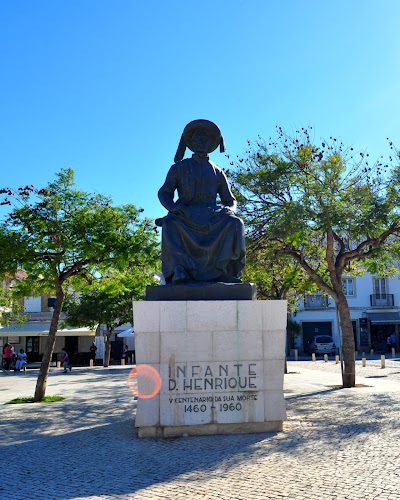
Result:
x=322 y=344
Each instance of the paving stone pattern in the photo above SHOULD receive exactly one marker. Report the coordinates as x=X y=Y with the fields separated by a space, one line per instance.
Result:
x=337 y=444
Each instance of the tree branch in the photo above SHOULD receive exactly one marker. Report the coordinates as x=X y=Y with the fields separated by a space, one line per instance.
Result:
x=310 y=271
x=373 y=242
x=74 y=269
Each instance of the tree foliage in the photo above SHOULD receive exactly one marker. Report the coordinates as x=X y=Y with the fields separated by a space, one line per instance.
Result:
x=11 y=311
x=58 y=234
x=277 y=276
x=324 y=206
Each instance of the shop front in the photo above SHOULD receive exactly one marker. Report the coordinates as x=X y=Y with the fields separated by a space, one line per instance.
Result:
x=32 y=338
x=382 y=325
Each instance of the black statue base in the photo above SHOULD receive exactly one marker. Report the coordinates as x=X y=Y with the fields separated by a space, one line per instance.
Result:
x=203 y=291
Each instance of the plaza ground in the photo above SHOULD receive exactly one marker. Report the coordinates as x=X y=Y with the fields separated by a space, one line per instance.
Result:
x=336 y=444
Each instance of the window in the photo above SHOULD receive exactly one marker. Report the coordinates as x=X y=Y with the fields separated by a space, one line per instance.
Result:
x=33 y=304
x=323 y=340
x=348 y=286
x=380 y=287
x=51 y=302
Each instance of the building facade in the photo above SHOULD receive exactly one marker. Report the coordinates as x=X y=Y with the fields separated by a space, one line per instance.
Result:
x=375 y=312
x=31 y=335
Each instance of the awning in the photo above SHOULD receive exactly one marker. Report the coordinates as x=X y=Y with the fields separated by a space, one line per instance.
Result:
x=130 y=332
x=123 y=328
x=41 y=330
x=389 y=318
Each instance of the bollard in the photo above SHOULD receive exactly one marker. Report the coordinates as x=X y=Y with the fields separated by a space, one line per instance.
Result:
x=296 y=355
x=313 y=356
x=337 y=358
x=364 y=361
x=91 y=363
x=393 y=352
x=383 y=361
x=326 y=358
x=58 y=364
x=122 y=361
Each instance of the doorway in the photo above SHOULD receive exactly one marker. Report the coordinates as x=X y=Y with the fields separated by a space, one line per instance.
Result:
x=310 y=329
x=379 y=334
x=117 y=347
x=381 y=292
x=32 y=349
x=71 y=346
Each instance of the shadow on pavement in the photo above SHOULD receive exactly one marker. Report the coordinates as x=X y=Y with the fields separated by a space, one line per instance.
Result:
x=77 y=449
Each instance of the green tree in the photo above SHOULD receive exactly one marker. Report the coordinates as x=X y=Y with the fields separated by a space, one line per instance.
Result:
x=277 y=276
x=11 y=311
x=293 y=331
x=108 y=301
x=58 y=234
x=330 y=210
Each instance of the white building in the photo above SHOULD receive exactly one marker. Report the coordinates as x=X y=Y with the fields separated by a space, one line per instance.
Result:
x=32 y=335
x=375 y=312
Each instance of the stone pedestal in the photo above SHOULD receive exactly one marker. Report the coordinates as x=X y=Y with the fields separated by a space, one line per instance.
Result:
x=221 y=365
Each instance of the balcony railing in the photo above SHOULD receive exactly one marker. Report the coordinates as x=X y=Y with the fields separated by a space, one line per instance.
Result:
x=382 y=300
x=314 y=301
x=42 y=316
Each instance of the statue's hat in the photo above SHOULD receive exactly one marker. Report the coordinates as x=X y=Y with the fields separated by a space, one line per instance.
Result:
x=210 y=128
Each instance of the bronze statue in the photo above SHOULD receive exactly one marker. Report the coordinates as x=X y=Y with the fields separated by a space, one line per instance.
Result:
x=201 y=240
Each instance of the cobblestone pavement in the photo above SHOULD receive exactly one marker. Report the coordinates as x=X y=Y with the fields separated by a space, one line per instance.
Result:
x=337 y=444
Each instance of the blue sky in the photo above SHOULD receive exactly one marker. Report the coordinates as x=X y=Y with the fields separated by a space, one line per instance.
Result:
x=106 y=87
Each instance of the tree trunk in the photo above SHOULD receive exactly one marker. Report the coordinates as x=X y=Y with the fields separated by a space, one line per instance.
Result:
x=107 y=347
x=41 y=383
x=349 y=372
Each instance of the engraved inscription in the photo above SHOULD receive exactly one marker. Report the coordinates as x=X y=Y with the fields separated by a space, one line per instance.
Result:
x=223 y=377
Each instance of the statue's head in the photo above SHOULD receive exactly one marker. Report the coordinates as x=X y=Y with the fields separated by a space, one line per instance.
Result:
x=200 y=142
x=200 y=136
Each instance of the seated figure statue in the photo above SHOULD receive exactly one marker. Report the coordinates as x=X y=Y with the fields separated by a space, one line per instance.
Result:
x=202 y=241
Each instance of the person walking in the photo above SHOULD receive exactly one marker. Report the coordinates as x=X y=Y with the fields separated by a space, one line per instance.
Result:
x=8 y=355
x=393 y=341
x=389 y=344
x=125 y=354
x=93 y=349
x=66 y=360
